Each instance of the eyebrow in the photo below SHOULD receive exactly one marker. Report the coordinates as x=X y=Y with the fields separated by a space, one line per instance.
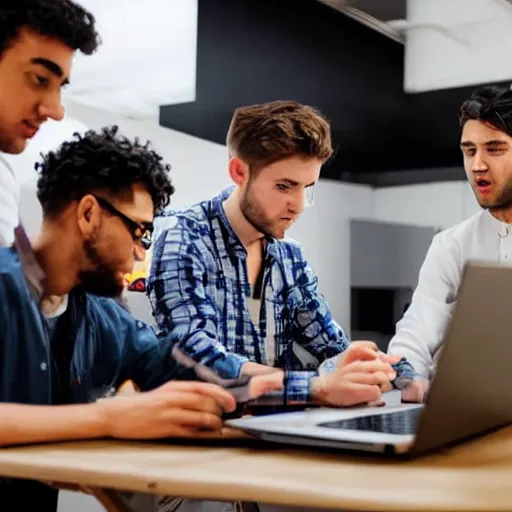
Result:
x=51 y=66
x=296 y=183
x=489 y=143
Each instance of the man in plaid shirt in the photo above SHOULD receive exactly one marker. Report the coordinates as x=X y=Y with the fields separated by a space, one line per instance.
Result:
x=236 y=295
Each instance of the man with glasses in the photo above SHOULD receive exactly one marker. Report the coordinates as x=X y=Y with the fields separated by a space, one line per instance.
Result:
x=225 y=284
x=65 y=345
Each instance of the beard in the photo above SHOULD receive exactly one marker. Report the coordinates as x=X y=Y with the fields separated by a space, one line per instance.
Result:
x=503 y=199
x=255 y=215
x=102 y=279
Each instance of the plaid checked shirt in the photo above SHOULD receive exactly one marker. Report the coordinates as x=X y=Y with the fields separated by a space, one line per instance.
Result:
x=199 y=288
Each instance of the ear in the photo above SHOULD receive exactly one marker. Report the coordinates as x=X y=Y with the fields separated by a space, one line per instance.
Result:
x=239 y=171
x=88 y=215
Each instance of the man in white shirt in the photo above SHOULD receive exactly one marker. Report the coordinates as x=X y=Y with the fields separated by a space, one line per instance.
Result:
x=486 y=144
x=38 y=39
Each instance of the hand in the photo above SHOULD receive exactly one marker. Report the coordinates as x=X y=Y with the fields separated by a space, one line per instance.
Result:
x=176 y=409
x=266 y=383
x=361 y=375
x=368 y=347
x=413 y=390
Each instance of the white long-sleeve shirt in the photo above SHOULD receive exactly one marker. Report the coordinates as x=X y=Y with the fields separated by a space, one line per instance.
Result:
x=420 y=332
x=9 y=199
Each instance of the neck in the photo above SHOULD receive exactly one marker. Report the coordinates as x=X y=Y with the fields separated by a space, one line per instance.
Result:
x=56 y=260
x=245 y=231
x=503 y=214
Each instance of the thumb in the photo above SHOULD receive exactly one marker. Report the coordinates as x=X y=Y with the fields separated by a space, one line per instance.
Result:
x=262 y=384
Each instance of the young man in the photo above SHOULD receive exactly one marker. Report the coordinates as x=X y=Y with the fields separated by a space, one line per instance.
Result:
x=486 y=144
x=232 y=293
x=64 y=344
x=38 y=39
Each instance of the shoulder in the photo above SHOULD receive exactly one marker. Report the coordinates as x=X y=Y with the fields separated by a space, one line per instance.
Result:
x=187 y=224
x=14 y=290
x=289 y=249
x=457 y=235
x=11 y=270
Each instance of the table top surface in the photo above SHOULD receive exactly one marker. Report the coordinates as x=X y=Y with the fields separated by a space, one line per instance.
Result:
x=472 y=476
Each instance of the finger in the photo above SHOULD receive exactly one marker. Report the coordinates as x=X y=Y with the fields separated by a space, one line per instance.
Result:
x=359 y=354
x=221 y=396
x=388 y=358
x=415 y=392
x=362 y=393
x=262 y=384
x=193 y=419
x=391 y=359
x=369 y=366
x=385 y=387
x=186 y=400
x=365 y=344
x=373 y=378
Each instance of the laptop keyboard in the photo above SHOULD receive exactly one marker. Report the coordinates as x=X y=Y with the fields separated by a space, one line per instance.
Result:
x=400 y=422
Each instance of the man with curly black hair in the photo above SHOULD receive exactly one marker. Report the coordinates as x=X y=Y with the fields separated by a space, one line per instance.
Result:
x=38 y=39
x=63 y=340
x=486 y=146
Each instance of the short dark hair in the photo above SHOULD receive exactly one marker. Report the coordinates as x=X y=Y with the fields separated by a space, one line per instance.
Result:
x=491 y=104
x=59 y=19
x=100 y=161
x=266 y=133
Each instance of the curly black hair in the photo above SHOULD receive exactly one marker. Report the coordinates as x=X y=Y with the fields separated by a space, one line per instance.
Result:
x=59 y=19
x=100 y=161
x=491 y=104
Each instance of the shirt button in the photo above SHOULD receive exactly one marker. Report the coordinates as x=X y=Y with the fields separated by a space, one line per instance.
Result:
x=43 y=366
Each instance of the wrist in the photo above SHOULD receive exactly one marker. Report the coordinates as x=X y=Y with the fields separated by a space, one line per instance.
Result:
x=103 y=417
x=317 y=389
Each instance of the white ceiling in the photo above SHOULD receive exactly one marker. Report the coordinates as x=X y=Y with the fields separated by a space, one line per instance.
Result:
x=147 y=58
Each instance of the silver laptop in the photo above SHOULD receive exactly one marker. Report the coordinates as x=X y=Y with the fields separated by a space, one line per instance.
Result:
x=470 y=394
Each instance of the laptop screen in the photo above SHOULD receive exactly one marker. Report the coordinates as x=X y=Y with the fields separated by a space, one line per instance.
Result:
x=400 y=422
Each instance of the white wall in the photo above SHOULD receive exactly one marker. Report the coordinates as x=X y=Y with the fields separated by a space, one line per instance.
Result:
x=433 y=204
x=324 y=232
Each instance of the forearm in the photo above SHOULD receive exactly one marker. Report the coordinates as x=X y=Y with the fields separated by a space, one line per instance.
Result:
x=252 y=369
x=25 y=424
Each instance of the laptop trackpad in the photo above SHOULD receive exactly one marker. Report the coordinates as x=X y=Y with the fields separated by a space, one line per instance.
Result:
x=400 y=422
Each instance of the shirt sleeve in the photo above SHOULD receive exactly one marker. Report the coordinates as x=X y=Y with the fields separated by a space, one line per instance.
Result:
x=314 y=328
x=9 y=199
x=420 y=332
x=183 y=309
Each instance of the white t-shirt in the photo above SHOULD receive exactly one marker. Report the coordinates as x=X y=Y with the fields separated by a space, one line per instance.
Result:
x=420 y=333
x=9 y=199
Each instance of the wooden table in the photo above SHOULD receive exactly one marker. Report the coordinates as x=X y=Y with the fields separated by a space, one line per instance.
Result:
x=475 y=476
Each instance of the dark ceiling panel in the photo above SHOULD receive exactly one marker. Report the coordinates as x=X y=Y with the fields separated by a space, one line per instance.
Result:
x=251 y=51
x=383 y=10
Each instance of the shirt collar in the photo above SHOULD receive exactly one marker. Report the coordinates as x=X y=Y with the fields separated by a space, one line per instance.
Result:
x=501 y=228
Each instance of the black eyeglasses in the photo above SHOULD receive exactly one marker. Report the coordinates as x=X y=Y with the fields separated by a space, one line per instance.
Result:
x=141 y=231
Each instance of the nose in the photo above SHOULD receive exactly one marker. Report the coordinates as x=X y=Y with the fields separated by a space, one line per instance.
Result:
x=139 y=253
x=52 y=108
x=479 y=164
x=297 y=203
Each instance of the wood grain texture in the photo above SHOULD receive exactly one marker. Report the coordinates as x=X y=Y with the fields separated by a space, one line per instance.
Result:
x=472 y=477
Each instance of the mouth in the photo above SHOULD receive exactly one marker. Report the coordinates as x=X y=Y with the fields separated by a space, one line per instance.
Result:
x=29 y=129
x=482 y=184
